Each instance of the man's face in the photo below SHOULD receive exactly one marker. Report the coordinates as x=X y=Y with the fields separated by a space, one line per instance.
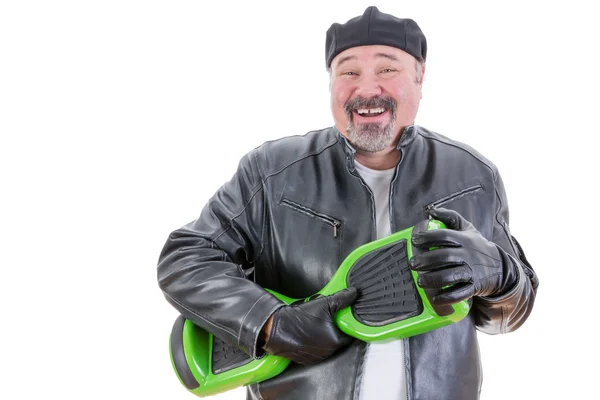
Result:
x=375 y=93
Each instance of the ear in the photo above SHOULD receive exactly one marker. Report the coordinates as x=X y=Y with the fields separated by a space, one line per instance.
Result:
x=421 y=75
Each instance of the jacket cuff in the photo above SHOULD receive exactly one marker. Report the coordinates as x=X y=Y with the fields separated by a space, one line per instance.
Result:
x=253 y=322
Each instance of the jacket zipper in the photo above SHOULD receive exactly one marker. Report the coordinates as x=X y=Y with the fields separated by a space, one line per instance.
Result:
x=373 y=212
x=373 y=237
x=453 y=196
x=405 y=342
x=312 y=213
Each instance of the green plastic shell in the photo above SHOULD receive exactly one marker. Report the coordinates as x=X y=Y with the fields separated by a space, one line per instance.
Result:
x=426 y=321
x=198 y=350
x=198 y=344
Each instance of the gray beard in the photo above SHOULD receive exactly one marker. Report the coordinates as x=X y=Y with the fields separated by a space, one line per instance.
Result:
x=372 y=137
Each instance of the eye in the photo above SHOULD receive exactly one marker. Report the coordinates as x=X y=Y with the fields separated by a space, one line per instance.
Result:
x=349 y=73
x=386 y=70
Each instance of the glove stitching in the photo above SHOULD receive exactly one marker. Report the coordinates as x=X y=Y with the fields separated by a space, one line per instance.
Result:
x=314 y=316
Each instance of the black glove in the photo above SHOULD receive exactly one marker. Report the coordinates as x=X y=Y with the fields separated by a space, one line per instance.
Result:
x=465 y=260
x=306 y=333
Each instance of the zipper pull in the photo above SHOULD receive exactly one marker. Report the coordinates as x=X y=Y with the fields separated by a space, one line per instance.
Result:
x=335 y=229
x=427 y=209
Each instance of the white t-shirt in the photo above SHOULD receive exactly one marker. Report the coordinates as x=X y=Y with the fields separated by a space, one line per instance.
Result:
x=383 y=373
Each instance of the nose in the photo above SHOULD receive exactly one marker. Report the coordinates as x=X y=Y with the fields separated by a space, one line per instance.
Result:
x=368 y=86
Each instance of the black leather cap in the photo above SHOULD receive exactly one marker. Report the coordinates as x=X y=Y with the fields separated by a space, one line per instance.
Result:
x=375 y=27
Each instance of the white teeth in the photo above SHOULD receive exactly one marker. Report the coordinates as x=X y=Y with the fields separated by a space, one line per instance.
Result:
x=370 y=110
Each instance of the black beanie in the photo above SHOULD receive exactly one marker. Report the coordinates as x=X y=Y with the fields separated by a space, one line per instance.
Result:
x=375 y=27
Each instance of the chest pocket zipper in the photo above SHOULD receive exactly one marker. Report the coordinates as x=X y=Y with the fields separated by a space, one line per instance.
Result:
x=452 y=197
x=336 y=224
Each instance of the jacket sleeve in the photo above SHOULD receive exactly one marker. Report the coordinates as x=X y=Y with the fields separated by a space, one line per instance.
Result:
x=507 y=312
x=203 y=267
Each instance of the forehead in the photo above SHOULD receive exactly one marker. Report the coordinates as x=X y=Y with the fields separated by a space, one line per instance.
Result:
x=364 y=54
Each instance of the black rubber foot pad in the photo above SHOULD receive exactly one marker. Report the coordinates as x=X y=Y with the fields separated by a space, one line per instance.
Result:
x=226 y=357
x=386 y=288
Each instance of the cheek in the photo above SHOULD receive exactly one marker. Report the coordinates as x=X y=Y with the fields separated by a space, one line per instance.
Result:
x=407 y=93
x=339 y=95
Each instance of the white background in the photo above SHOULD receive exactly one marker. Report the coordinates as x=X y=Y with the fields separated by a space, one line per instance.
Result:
x=119 y=119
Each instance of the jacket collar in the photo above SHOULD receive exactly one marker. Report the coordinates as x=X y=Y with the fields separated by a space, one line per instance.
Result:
x=407 y=137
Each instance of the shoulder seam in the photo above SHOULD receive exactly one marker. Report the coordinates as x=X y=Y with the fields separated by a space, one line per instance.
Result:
x=262 y=182
x=458 y=146
x=300 y=158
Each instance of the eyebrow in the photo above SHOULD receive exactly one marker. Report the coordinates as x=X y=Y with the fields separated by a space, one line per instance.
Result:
x=383 y=55
x=388 y=56
x=344 y=59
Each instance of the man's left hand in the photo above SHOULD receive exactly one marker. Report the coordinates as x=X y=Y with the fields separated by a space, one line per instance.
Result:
x=464 y=262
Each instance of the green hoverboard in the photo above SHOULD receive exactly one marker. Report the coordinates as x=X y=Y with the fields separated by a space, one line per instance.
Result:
x=390 y=304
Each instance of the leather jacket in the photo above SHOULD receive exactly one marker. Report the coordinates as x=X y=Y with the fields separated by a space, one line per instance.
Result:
x=295 y=208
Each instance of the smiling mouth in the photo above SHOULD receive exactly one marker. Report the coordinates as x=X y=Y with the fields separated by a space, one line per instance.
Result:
x=370 y=112
x=374 y=107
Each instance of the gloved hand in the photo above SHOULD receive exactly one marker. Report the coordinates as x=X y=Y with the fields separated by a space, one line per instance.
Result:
x=306 y=333
x=465 y=260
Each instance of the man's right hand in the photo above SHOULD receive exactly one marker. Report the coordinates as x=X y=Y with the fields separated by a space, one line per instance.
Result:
x=306 y=333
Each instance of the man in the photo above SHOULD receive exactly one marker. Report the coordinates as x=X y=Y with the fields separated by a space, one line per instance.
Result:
x=297 y=206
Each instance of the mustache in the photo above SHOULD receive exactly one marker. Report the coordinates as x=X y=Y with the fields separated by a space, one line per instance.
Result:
x=373 y=102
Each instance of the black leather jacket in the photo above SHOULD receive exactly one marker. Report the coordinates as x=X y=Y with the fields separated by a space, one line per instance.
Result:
x=293 y=211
